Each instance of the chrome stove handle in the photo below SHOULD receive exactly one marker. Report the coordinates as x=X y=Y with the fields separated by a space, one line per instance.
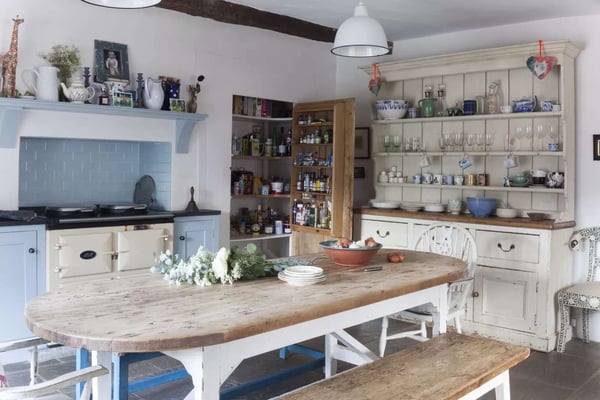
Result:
x=164 y=237
x=57 y=246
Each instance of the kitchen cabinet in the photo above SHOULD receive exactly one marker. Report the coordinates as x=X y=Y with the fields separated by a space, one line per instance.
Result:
x=12 y=109
x=520 y=267
x=194 y=231
x=22 y=250
x=322 y=172
x=260 y=156
x=468 y=75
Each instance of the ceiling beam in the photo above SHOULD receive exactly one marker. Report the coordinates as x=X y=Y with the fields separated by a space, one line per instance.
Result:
x=231 y=13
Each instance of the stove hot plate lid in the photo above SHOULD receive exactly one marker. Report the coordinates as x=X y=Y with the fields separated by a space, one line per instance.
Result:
x=123 y=206
x=70 y=209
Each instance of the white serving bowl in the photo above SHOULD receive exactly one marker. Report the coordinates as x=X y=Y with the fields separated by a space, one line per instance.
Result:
x=391 y=109
x=506 y=212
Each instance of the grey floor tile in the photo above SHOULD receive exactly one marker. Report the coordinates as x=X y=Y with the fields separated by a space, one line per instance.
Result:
x=589 y=390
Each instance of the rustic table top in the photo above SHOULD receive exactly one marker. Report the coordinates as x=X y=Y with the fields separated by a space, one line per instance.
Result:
x=141 y=314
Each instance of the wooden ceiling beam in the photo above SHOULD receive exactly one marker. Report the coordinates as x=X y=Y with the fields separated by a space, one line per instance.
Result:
x=231 y=13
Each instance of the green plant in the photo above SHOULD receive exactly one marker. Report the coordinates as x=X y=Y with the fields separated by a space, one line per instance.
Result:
x=65 y=58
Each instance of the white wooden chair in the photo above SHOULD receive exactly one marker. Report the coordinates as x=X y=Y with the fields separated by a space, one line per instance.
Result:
x=585 y=296
x=449 y=240
x=45 y=390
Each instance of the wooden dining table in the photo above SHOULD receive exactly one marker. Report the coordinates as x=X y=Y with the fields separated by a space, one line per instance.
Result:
x=211 y=330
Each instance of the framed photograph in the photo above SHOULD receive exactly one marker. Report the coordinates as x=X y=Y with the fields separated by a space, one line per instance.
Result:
x=122 y=99
x=596 y=147
x=177 y=105
x=112 y=61
x=361 y=143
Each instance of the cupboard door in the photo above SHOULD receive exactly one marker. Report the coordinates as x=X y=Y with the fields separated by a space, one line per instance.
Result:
x=193 y=232
x=139 y=249
x=389 y=234
x=505 y=298
x=18 y=284
x=81 y=253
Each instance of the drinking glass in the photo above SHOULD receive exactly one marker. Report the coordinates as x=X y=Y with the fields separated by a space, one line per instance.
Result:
x=458 y=141
x=489 y=140
x=397 y=143
x=529 y=136
x=442 y=143
x=518 y=137
x=470 y=140
x=408 y=144
x=480 y=140
x=386 y=143
x=416 y=144
x=449 y=140
x=540 y=132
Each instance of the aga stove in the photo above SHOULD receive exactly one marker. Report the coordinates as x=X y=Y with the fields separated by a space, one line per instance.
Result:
x=103 y=241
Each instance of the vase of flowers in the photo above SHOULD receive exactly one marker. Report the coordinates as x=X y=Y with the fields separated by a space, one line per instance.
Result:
x=66 y=59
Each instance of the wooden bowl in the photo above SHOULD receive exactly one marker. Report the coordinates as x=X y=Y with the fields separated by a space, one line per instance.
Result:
x=347 y=257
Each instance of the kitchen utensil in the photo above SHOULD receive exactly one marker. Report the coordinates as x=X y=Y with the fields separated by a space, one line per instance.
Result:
x=191 y=206
x=375 y=83
x=540 y=65
x=145 y=191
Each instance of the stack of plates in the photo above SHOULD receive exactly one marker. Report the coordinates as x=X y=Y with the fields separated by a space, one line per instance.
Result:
x=384 y=204
x=411 y=206
x=435 y=207
x=302 y=275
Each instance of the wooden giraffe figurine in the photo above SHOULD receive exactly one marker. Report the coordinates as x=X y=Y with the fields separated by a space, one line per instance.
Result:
x=9 y=60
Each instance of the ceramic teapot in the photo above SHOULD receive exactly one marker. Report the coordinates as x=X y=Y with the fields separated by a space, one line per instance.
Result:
x=153 y=94
x=43 y=82
x=555 y=179
x=77 y=92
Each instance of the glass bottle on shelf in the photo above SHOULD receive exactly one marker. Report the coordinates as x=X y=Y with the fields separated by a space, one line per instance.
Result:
x=493 y=99
x=440 y=105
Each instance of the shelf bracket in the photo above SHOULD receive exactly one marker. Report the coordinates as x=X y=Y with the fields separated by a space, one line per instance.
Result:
x=183 y=132
x=9 y=121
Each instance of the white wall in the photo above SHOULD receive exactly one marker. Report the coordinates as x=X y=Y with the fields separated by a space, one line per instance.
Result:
x=233 y=58
x=583 y=30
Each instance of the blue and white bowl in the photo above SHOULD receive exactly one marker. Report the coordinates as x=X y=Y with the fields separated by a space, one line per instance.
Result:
x=525 y=104
x=391 y=109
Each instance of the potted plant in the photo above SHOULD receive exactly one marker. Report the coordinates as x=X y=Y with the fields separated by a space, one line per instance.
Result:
x=66 y=59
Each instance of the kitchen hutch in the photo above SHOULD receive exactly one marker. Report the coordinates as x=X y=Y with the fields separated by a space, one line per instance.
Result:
x=260 y=163
x=521 y=263
x=322 y=172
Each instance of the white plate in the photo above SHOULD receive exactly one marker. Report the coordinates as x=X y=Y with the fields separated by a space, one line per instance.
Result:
x=385 y=204
x=300 y=282
x=411 y=206
x=435 y=207
x=303 y=271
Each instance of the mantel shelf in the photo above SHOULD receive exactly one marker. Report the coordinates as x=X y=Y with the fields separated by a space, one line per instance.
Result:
x=11 y=109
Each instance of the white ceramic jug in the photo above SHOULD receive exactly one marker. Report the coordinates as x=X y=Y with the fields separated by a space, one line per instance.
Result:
x=43 y=82
x=153 y=94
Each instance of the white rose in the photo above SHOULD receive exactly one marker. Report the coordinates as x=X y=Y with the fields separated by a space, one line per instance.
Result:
x=219 y=264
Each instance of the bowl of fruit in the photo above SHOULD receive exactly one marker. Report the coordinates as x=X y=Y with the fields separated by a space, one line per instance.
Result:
x=347 y=253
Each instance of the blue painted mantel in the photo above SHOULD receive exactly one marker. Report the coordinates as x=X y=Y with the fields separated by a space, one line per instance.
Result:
x=11 y=109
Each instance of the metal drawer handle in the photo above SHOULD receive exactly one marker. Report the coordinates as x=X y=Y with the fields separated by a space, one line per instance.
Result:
x=475 y=294
x=382 y=236
x=512 y=247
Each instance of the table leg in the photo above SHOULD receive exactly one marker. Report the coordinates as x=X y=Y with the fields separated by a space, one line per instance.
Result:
x=440 y=317
x=101 y=386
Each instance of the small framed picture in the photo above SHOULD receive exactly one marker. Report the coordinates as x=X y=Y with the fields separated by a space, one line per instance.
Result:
x=361 y=143
x=177 y=105
x=122 y=99
x=596 y=147
x=112 y=61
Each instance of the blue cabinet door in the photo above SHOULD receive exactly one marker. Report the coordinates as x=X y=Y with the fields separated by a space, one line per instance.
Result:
x=193 y=232
x=19 y=280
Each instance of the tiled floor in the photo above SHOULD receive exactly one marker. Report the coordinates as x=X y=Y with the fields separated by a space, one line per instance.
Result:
x=573 y=375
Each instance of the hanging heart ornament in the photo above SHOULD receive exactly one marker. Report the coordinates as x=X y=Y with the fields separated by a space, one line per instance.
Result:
x=539 y=65
x=375 y=83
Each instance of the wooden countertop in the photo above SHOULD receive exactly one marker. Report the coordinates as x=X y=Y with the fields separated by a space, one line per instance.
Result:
x=468 y=219
x=147 y=314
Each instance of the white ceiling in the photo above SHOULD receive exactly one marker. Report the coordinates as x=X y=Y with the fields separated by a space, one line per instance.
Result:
x=403 y=19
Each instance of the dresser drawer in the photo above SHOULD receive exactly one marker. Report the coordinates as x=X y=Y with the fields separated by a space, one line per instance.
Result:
x=519 y=250
x=389 y=234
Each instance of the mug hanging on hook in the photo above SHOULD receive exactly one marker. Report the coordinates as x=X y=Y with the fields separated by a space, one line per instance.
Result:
x=539 y=65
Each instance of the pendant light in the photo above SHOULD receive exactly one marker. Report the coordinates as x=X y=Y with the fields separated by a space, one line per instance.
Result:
x=123 y=3
x=360 y=36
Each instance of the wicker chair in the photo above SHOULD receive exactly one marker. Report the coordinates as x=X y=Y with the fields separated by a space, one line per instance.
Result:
x=449 y=240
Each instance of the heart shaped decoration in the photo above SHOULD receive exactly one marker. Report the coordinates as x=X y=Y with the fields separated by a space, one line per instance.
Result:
x=375 y=83
x=540 y=66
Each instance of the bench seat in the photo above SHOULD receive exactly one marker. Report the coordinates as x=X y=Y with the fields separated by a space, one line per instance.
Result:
x=450 y=366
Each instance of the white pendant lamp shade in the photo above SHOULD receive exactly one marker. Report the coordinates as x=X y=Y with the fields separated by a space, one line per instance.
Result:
x=360 y=36
x=123 y=3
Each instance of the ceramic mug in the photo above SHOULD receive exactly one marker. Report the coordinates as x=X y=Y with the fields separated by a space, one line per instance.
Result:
x=510 y=161
x=547 y=105
x=465 y=162
x=425 y=161
x=469 y=107
x=459 y=180
x=506 y=109
x=416 y=179
x=448 y=180
x=427 y=178
x=438 y=179
x=552 y=146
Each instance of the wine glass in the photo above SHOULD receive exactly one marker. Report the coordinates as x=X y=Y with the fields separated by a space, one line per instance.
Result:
x=489 y=139
x=442 y=143
x=480 y=140
x=529 y=135
x=386 y=143
x=518 y=137
x=470 y=139
x=540 y=132
x=397 y=143
x=458 y=141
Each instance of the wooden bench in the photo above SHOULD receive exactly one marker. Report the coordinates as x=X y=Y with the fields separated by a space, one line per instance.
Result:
x=450 y=366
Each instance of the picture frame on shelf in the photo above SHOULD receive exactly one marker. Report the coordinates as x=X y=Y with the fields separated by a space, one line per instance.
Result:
x=177 y=105
x=122 y=99
x=111 y=61
x=361 y=143
x=596 y=147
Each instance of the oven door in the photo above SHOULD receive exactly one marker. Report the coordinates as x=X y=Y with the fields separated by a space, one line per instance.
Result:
x=139 y=249
x=82 y=252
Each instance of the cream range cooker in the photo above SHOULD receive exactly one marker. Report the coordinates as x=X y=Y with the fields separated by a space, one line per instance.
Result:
x=103 y=242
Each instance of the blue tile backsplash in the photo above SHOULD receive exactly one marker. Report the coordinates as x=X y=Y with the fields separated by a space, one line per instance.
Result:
x=59 y=171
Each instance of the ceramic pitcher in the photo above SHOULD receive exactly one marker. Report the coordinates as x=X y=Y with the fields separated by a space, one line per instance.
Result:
x=43 y=82
x=153 y=94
